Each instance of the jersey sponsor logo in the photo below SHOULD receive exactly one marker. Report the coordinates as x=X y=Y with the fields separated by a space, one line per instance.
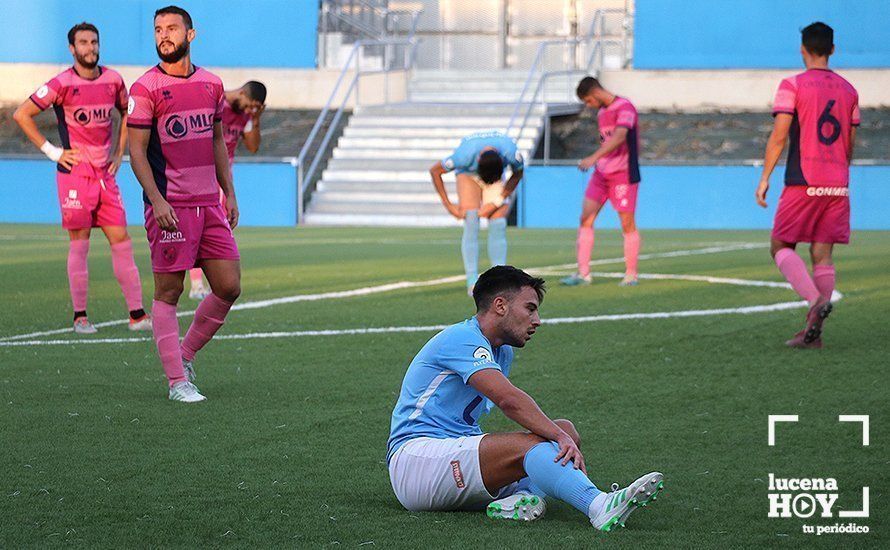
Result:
x=131 y=105
x=178 y=126
x=85 y=116
x=458 y=475
x=828 y=192
x=42 y=91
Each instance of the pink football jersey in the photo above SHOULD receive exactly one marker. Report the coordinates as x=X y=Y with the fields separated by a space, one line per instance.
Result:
x=824 y=107
x=83 y=108
x=234 y=124
x=625 y=158
x=180 y=112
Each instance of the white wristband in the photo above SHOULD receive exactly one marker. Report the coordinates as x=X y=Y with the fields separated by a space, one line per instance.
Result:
x=51 y=151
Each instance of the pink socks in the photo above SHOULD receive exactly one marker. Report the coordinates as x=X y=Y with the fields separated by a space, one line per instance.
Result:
x=795 y=272
x=584 y=250
x=127 y=274
x=165 y=327
x=78 y=273
x=823 y=277
x=209 y=317
x=631 y=253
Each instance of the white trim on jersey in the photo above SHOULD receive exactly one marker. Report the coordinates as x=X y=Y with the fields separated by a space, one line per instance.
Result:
x=430 y=390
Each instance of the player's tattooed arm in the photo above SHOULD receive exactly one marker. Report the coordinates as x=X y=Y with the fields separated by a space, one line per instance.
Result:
x=164 y=214
x=224 y=174
x=24 y=117
x=519 y=407
x=615 y=140
x=774 y=147
x=436 y=172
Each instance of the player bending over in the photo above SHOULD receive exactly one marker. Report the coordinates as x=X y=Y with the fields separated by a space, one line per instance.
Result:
x=438 y=457
x=818 y=111
x=616 y=177
x=179 y=157
x=241 y=119
x=83 y=97
x=480 y=160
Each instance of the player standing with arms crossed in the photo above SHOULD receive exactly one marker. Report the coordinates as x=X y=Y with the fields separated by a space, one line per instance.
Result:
x=83 y=98
x=241 y=118
x=179 y=157
x=819 y=111
x=616 y=178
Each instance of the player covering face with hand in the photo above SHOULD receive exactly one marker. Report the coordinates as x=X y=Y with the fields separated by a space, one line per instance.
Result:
x=242 y=110
x=439 y=458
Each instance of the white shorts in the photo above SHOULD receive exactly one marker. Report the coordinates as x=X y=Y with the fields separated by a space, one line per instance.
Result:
x=430 y=474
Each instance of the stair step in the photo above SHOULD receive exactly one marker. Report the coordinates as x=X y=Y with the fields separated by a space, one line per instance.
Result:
x=394 y=187
x=458 y=132
x=419 y=121
x=412 y=143
x=321 y=206
x=380 y=220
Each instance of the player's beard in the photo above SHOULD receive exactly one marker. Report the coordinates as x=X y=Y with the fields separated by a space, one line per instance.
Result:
x=181 y=51
x=81 y=60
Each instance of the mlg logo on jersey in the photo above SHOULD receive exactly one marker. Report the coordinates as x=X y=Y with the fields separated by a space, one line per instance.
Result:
x=179 y=126
x=815 y=497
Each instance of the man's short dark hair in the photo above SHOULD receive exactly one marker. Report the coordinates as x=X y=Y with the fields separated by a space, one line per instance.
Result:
x=256 y=91
x=503 y=280
x=177 y=11
x=587 y=85
x=83 y=26
x=491 y=166
x=818 y=39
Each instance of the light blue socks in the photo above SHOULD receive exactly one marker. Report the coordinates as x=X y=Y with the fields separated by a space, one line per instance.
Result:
x=563 y=482
x=469 y=246
x=497 y=241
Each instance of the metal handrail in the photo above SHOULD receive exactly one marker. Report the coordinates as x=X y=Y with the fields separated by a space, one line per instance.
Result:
x=596 y=38
x=305 y=175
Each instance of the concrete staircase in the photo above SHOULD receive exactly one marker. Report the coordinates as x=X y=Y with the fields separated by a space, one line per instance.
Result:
x=379 y=173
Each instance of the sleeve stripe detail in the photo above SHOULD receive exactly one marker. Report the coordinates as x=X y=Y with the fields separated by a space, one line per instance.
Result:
x=34 y=101
x=138 y=125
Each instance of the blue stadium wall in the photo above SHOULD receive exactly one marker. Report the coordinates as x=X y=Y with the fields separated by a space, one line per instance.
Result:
x=266 y=192
x=244 y=33
x=757 y=34
x=670 y=197
x=690 y=197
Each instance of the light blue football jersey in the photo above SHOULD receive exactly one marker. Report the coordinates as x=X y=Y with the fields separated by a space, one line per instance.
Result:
x=465 y=159
x=436 y=400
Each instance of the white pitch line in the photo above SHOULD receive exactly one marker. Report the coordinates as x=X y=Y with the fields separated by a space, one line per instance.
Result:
x=365 y=291
x=746 y=310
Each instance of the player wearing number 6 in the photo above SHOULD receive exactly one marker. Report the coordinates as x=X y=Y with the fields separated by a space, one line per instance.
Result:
x=817 y=111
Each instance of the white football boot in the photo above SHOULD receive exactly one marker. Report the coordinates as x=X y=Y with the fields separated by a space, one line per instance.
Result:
x=186 y=392
x=616 y=506
x=82 y=325
x=518 y=507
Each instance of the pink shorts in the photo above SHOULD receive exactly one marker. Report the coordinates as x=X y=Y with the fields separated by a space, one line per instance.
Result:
x=614 y=187
x=89 y=202
x=203 y=233
x=813 y=215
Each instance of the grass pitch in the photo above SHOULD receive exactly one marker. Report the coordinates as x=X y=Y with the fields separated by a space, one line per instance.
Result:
x=289 y=449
